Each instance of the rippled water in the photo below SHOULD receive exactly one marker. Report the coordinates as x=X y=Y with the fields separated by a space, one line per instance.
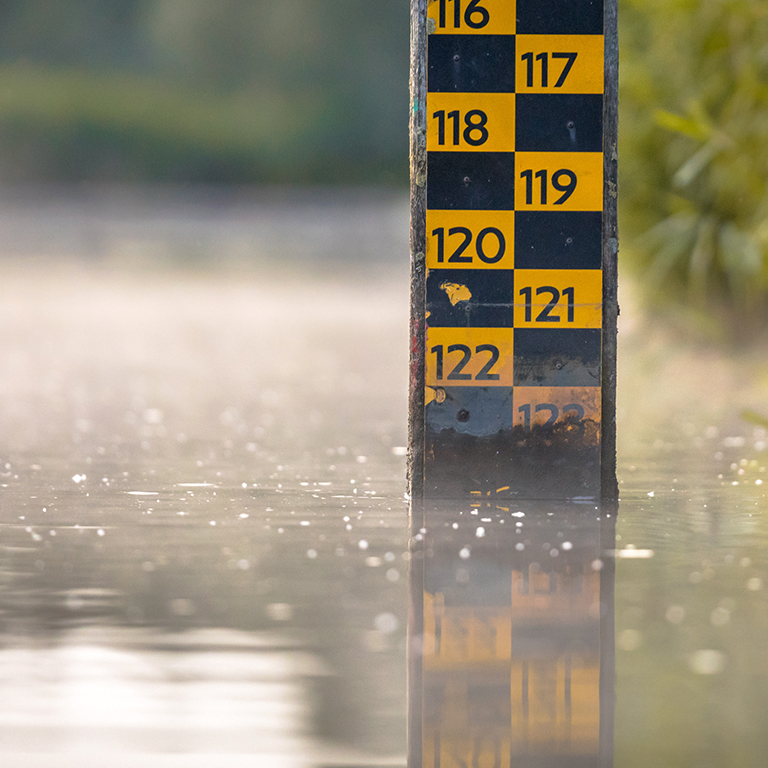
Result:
x=204 y=551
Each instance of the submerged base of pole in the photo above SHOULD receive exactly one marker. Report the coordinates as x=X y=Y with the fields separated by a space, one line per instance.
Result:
x=557 y=461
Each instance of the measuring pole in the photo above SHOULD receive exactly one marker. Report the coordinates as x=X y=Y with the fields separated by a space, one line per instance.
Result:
x=514 y=246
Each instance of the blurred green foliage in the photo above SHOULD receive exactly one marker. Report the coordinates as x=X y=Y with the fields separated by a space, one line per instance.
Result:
x=694 y=153
x=231 y=91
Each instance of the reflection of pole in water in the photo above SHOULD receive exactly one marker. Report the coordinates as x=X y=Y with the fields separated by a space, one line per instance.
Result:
x=515 y=630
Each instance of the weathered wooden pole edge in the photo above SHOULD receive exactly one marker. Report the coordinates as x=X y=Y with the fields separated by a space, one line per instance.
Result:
x=609 y=489
x=416 y=445
x=418 y=163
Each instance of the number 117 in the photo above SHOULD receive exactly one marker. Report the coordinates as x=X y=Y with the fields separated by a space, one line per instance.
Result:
x=544 y=59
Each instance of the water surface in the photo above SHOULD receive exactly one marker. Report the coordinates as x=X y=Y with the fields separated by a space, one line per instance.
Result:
x=204 y=547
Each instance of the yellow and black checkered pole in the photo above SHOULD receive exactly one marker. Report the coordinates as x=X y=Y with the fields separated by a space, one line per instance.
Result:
x=513 y=168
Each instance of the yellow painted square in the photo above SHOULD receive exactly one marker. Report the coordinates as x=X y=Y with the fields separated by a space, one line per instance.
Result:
x=471 y=122
x=487 y=238
x=469 y=357
x=542 y=181
x=540 y=406
x=558 y=298
x=471 y=17
x=559 y=63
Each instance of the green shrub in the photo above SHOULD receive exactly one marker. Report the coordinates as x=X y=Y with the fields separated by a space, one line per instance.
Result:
x=694 y=152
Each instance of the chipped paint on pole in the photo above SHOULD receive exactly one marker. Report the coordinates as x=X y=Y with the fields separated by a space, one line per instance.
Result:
x=513 y=241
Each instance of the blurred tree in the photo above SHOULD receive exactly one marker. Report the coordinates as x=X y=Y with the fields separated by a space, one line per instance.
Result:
x=694 y=152
x=89 y=33
x=189 y=90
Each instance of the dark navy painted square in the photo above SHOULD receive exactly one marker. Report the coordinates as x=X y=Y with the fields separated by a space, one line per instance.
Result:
x=470 y=298
x=559 y=17
x=472 y=411
x=561 y=358
x=559 y=122
x=558 y=240
x=471 y=63
x=476 y=181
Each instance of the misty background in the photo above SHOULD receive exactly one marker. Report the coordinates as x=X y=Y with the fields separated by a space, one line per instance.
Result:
x=306 y=92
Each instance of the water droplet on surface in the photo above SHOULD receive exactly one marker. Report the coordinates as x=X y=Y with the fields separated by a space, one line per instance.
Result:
x=707 y=662
x=386 y=623
x=464 y=553
x=629 y=640
x=720 y=617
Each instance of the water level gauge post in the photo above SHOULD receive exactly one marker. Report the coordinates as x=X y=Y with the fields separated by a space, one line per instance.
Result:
x=513 y=249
